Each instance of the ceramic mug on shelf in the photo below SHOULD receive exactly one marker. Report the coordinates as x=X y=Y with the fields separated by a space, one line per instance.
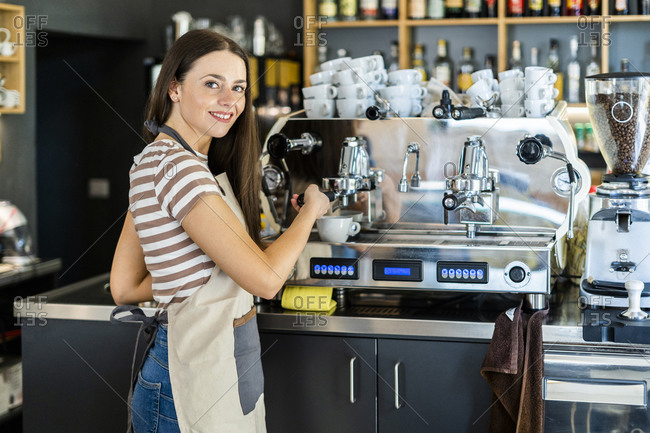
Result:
x=355 y=91
x=9 y=98
x=334 y=64
x=404 y=76
x=323 y=77
x=7 y=48
x=538 y=107
x=321 y=91
x=483 y=74
x=319 y=108
x=351 y=108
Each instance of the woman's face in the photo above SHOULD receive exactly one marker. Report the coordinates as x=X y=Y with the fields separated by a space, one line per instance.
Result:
x=211 y=97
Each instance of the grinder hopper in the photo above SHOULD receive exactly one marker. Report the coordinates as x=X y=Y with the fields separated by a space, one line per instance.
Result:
x=618 y=105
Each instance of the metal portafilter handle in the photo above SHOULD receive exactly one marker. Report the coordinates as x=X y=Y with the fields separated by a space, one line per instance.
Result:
x=463 y=113
x=374 y=112
x=301 y=198
x=279 y=145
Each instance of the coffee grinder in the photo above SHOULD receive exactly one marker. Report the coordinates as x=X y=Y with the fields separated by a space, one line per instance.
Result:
x=618 y=233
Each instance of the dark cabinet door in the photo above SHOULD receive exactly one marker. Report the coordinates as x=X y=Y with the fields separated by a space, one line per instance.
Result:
x=432 y=386
x=319 y=384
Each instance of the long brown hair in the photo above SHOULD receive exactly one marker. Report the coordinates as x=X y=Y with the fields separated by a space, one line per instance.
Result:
x=237 y=153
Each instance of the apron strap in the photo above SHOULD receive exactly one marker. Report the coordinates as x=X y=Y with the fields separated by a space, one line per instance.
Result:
x=156 y=129
x=149 y=327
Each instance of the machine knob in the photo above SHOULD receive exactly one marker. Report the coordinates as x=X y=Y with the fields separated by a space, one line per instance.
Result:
x=278 y=146
x=530 y=150
x=451 y=201
x=517 y=274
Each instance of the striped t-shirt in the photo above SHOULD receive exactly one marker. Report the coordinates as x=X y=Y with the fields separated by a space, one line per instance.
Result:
x=166 y=181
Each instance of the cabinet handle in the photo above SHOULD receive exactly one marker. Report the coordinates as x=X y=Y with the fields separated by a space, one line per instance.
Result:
x=353 y=399
x=398 y=404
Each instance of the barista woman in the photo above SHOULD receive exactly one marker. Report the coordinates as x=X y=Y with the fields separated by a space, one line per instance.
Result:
x=191 y=242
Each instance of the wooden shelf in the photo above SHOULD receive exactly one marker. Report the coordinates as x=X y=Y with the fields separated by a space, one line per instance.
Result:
x=12 y=68
x=552 y=20
x=358 y=24
x=454 y=22
x=628 y=18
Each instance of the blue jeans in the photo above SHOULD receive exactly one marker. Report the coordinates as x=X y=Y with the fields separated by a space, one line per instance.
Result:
x=153 y=404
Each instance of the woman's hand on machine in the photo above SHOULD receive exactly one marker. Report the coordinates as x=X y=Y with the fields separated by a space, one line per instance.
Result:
x=314 y=199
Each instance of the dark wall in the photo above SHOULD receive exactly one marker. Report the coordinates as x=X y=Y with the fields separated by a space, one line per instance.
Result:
x=88 y=127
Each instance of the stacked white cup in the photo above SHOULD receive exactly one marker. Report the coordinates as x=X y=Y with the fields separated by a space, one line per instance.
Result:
x=511 y=84
x=319 y=98
x=540 y=93
x=404 y=92
x=485 y=89
x=357 y=80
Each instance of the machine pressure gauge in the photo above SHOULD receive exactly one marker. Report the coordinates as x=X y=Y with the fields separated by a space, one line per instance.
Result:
x=561 y=184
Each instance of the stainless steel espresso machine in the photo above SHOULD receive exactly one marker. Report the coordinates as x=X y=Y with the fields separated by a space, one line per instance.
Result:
x=476 y=216
x=618 y=239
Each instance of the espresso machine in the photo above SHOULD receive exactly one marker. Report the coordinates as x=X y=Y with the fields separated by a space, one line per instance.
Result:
x=618 y=234
x=456 y=208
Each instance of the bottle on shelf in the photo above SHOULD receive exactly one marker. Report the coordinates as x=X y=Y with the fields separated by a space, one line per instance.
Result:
x=621 y=7
x=417 y=60
x=490 y=63
x=579 y=131
x=590 y=141
x=443 y=67
x=393 y=61
x=369 y=9
x=625 y=64
x=644 y=7
x=593 y=7
x=322 y=56
x=554 y=63
x=454 y=8
x=535 y=8
x=490 y=9
x=473 y=8
x=436 y=9
x=515 y=8
x=328 y=9
x=348 y=10
x=389 y=9
x=573 y=72
x=593 y=67
x=465 y=69
x=554 y=8
x=573 y=8
x=417 y=9
x=515 y=59
x=534 y=56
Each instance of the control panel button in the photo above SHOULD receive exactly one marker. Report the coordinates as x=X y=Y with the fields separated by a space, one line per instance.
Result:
x=517 y=274
x=461 y=272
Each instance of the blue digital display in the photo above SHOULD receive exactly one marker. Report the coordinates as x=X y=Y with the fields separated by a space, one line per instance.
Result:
x=397 y=271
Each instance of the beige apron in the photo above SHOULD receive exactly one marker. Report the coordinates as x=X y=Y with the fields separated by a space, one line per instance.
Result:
x=214 y=354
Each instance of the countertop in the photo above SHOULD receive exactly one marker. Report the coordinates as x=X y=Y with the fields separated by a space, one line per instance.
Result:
x=17 y=274
x=468 y=317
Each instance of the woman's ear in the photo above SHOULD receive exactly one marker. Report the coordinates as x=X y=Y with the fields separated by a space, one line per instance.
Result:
x=174 y=91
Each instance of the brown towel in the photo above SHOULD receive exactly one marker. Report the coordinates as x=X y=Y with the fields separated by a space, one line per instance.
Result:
x=514 y=369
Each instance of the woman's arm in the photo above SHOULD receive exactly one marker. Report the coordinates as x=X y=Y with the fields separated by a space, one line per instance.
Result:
x=217 y=231
x=130 y=280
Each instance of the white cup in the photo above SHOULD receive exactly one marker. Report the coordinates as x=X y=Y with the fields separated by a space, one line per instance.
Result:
x=483 y=74
x=323 y=77
x=379 y=76
x=351 y=108
x=542 y=92
x=511 y=73
x=9 y=98
x=404 y=76
x=322 y=91
x=403 y=106
x=6 y=48
x=406 y=90
x=511 y=84
x=539 y=75
x=355 y=91
x=416 y=106
x=319 y=108
x=538 y=107
x=367 y=63
x=481 y=91
x=337 y=228
x=334 y=64
x=514 y=110
x=347 y=76
x=512 y=97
